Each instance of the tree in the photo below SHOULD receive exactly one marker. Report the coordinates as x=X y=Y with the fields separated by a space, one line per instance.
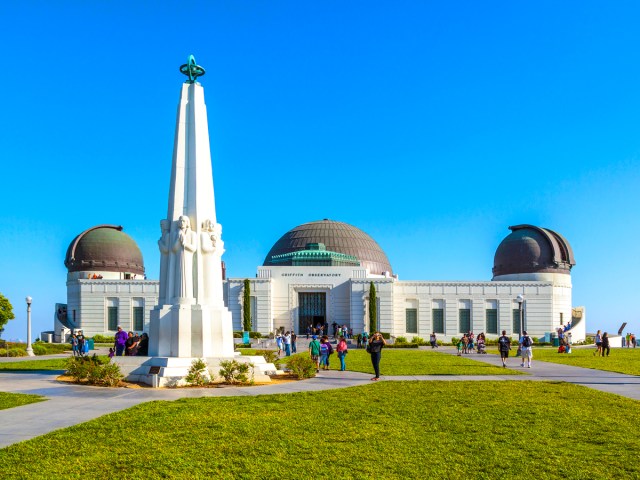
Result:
x=373 y=309
x=246 y=306
x=6 y=311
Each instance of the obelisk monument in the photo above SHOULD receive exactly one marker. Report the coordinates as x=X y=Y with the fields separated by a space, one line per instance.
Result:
x=191 y=320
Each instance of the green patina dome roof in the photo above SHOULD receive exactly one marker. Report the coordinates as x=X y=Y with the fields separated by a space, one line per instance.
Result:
x=104 y=248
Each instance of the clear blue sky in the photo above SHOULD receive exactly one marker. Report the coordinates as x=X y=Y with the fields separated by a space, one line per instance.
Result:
x=431 y=126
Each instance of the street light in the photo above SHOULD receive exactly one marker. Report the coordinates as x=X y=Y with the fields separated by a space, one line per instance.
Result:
x=29 y=348
x=520 y=300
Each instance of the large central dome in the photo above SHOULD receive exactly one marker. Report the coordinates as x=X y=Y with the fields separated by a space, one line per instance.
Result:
x=337 y=237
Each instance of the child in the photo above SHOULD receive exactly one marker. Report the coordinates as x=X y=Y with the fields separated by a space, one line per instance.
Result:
x=111 y=353
x=460 y=344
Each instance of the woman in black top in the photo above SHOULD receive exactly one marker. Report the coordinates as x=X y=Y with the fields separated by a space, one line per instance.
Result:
x=605 y=343
x=376 y=343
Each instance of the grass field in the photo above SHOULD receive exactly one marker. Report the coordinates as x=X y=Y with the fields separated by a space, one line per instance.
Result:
x=416 y=362
x=10 y=400
x=385 y=430
x=49 y=364
x=620 y=360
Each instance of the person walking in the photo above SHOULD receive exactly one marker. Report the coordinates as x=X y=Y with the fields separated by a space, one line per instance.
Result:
x=314 y=352
x=325 y=351
x=287 y=344
x=598 y=342
x=526 y=349
x=81 y=343
x=120 y=341
x=375 y=346
x=605 y=344
x=433 y=340
x=294 y=339
x=504 y=345
x=342 y=350
x=74 y=345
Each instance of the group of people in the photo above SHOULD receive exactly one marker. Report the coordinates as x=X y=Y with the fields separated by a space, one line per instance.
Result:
x=467 y=343
x=79 y=344
x=602 y=344
x=320 y=351
x=286 y=342
x=630 y=340
x=525 y=348
x=129 y=344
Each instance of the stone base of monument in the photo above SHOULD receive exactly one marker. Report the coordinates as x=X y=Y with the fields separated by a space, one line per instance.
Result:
x=171 y=371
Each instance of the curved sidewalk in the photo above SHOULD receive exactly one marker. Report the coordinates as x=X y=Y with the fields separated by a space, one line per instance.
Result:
x=69 y=404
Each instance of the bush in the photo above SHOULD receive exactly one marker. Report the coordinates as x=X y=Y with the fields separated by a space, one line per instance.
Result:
x=270 y=356
x=198 y=374
x=402 y=345
x=255 y=335
x=418 y=341
x=16 y=352
x=235 y=372
x=95 y=370
x=39 y=349
x=98 y=338
x=385 y=335
x=243 y=345
x=455 y=340
x=237 y=334
x=401 y=340
x=302 y=366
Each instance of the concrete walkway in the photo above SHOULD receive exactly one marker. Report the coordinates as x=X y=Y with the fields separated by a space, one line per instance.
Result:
x=69 y=404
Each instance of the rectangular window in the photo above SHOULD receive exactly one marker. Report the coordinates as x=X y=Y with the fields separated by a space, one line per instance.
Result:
x=254 y=315
x=437 y=315
x=561 y=319
x=516 y=320
x=412 y=320
x=112 y=317
x=138 y=319
x=492 y=320
x=464 y=315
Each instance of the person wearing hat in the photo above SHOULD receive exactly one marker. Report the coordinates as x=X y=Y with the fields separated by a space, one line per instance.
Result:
x=314 y=351
x=120 y=341
x=526 y=345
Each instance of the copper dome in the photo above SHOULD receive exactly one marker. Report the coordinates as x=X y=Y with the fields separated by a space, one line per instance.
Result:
x=337 y=237
x=105 y=248
x=531 y=249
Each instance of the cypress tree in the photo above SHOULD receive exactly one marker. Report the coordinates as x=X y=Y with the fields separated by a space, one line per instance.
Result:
x=373 y=309
x=246 y=306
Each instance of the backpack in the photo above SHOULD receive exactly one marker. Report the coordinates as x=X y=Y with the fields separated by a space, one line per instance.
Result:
x=526 y=341
x=324 y=349
x=504 y=343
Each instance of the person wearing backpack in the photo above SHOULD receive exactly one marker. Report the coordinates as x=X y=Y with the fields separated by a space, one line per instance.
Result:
x=504 y=345
x=526 y=345
x=314 y=352
x=325 y=351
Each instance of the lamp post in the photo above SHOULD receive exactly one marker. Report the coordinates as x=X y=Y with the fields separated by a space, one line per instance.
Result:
x=29 y=348
x=520 y=299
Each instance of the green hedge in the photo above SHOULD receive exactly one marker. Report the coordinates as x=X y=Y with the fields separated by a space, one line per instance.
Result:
x=402 y=345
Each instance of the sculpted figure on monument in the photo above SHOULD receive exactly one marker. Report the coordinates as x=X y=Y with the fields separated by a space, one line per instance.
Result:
x=208 y=241
x=184 y=247
x=164 y=244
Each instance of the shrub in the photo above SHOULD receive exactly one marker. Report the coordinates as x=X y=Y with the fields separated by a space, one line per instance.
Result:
x=39 y=349
x=237 y=334
x=235 y=372
x=302 y=366
x=111 y=375
x=454 y=341
x=270 y=356
x=98 y=338
x=243 y=345
x=255 y=335
x=418 y=341
x=402 y=345
x=401 y=340
x=94 y=369
x=198 y=374
x=385 y=335
x=16 y=352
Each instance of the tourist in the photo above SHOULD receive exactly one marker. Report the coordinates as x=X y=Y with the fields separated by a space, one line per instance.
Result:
x=460 y=346
x=433 y=340
x=359 y=341
x=112 y=352
x=342 y=350
x=481 y=344
x=325 y=352
x=131 y=346
x=627 y=339
x=465 y=344
x=74 y=345
x=279 y=343
x=471 y=343
x=314 y=351
x=294 y=339
x=365 y=339
x=143 y=345
x=308 y=330
x=632 y=337
x=605 y=344
x=287 y=344
x=598 y=341
x=504 y=345
x=120 y=341
x=81 y=343
x=374 y=348
x=526 y=346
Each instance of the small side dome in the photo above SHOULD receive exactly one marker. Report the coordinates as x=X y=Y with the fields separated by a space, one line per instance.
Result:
x=531 y=249
x=105 y=248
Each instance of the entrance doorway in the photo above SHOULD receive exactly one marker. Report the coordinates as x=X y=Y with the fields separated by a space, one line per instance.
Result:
x=312 y=310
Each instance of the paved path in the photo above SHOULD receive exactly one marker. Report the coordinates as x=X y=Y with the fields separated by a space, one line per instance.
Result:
x=69 y=405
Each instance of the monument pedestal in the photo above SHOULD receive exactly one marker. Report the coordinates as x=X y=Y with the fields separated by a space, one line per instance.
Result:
x=191 y=331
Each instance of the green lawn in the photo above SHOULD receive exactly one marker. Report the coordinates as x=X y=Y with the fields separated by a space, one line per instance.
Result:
x=620 y=360
x=10 y=400
x=385 y=430
x=49 y=364
x=417 y=362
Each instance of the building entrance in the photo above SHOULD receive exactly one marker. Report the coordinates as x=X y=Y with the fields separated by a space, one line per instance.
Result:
x=312 y=310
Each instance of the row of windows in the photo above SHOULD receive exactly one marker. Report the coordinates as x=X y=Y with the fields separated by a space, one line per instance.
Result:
x=464 y=320
x=138 y=318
